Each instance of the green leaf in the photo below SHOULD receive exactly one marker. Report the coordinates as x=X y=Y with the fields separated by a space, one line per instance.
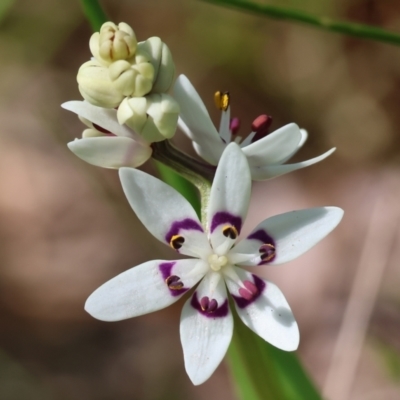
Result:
x=94 y=13
x=263 y=372
x=347 y=28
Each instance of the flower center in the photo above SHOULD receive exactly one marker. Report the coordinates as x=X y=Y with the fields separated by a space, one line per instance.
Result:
x=216 y=262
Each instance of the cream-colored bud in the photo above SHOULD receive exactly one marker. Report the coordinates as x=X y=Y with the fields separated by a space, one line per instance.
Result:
x=161 y=59
x=133 y=79
x=113 y=43
x=96 y=86
x=155 y=117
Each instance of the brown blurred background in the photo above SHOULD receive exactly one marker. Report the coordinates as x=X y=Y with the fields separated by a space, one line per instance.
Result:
x=65 y=226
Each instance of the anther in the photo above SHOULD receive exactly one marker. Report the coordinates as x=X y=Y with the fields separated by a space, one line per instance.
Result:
x=208 y=305
x=267 y=252
x=234 y=125
x=249 y=291
x=222 y=100
x=174 y=282
x=176 y=242
x=230 y=232
x=261 y=126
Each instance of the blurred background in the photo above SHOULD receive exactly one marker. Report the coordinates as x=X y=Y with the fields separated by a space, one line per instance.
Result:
x=66 y=228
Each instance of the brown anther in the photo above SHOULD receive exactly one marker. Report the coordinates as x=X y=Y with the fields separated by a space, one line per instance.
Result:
x=267 y=252
x=174 y=282
x=221 y=100
x=230 y=232
x=176 y=242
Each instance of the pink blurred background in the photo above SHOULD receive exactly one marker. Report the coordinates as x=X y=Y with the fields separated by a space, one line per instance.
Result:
x=66 y=227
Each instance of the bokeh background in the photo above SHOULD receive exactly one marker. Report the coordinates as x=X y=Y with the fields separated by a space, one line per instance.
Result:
x=65 y=226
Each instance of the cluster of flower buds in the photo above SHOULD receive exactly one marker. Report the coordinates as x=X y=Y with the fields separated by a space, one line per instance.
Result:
x=133 y=78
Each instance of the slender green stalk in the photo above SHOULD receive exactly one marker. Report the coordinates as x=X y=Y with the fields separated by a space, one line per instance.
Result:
x=94 y=13
x=347 y=28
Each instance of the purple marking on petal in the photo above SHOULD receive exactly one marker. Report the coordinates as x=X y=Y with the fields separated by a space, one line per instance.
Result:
x=166 y=272
x=223 y=217
x=259 y=284
x=221 y=311
x=186 y=224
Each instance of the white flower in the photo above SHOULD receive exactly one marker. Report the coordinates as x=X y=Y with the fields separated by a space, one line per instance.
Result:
x=206 y=323
x=265 y=156
x=106 y=143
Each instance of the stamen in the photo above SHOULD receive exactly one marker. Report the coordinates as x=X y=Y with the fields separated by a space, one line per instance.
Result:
x=234 y=125
x=267 y=252
x=216 y=262
x=261 y=126
x=174 y=282
x=208 y=305
x=176 y=242
x=230 y=232
x=249 y=291
x=221 y=100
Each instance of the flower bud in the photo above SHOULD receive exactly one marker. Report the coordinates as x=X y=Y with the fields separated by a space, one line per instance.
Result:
x=161 y=59
x=155 y=117
x=96 y=86
x=133 y=79
x=113 y=43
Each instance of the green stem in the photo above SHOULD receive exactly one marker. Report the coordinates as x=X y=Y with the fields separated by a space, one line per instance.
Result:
x=197 y=173
x=347 y=28
x=94 y=13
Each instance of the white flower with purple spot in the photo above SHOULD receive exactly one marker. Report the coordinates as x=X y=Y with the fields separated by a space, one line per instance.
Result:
x=266 y=152
x=206 y=323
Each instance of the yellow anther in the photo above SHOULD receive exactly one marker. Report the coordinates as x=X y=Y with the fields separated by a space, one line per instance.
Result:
x=230 y=232
x=176 y=242
x=222 y=100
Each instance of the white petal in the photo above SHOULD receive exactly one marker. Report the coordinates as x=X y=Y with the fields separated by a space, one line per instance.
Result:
x=224 y=131
x=304 y=137
x=275 y=147
x=292 y=234
x=266 y=312
x=195 y=116
x=271 y=171
x=111 y=151
x=164 y=211
x=230 y=193
x=142 y=289
x=104 y=117
x=205 y=336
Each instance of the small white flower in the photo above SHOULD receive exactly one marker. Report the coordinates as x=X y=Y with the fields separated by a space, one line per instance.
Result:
x=265 y=155
x=206 y=323
x=106 y=143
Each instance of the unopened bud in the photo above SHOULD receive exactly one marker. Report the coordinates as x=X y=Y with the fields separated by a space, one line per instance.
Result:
x=133 y=79
x=155 y=117
x=161 y=59
x=113 y=43
x=96 y=86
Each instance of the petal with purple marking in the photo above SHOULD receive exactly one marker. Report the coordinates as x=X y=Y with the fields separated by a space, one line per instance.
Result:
x=259 y=173
x=263 y=308
x=197 y=120
x=275 y=147
x=111 y=151
x=164 y=212
x=230 y=195
x=291 y=234
x=206 y=328
x=143 y=289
